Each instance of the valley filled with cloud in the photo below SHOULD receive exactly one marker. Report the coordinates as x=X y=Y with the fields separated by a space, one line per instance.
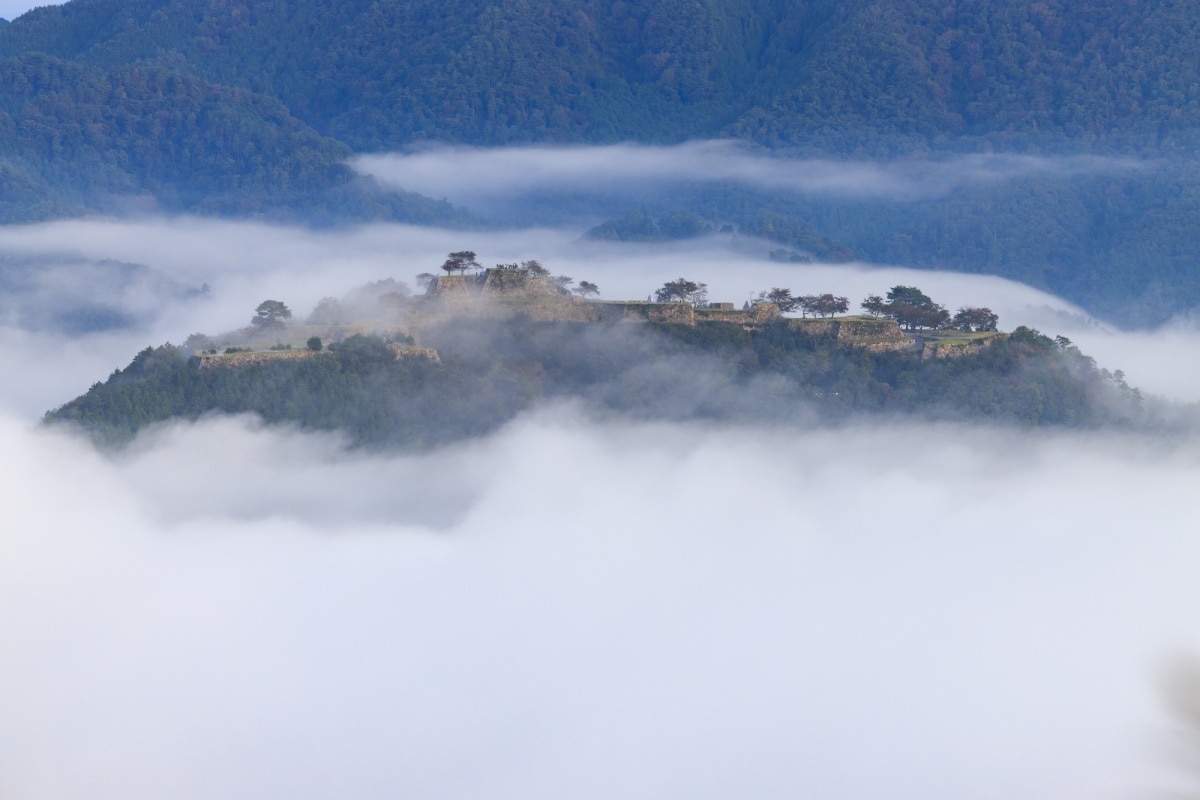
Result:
x=578 y=605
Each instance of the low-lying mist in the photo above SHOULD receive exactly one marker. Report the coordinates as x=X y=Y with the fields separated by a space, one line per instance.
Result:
x=243 y=263
x=575 y=606
x=477 y=177
x=592 y=609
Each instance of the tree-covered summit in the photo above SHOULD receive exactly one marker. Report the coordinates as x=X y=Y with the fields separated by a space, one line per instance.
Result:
x=489 y=372
x=436 y=368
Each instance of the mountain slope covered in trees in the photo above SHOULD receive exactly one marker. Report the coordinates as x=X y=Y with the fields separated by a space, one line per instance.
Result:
x=252 y=106
x=491 y=371
x=893 y=75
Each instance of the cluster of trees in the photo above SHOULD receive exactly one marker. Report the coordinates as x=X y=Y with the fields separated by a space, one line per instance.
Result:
x=460 y=262
x=465 y=260
x=914 y=309
x=270 y=314
x=820 y=305
x=908 y=305
x=682 y=290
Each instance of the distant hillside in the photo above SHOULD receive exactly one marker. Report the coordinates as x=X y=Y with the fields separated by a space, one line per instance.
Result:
x=904 y=74
x=251 y=106
x=383 y=74
x=74 y=136
x=892 y=75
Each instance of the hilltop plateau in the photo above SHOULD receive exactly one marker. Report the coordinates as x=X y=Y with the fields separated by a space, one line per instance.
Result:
x=389 y=369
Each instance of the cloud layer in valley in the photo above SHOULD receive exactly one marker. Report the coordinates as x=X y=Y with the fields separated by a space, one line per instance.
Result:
x=244 y=263
x=575 y=607
x=469 y=175
x=633 y=610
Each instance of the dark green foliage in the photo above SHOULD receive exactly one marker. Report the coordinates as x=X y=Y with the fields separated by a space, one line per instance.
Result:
x=382 y=74
x=74 y=136
x=638 y=226
x=490 y=372
x=975 y=319
x=271 y=314
x=836 y=76
x=908 y=74
x=795 y=232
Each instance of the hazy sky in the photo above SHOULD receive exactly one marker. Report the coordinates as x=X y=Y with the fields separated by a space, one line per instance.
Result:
x=574 y=607
x=11 y=9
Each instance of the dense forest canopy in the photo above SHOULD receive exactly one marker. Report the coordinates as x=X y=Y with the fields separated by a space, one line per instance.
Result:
x=897 y=75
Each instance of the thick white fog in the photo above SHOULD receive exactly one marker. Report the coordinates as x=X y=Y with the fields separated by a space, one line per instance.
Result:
x=571 y=608
x=577 y=607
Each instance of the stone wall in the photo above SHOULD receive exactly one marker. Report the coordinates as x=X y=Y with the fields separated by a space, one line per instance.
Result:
x=453 y=285
x=208 y=361
x=418 y=353
x=495 y=282
x=757 y=314
x=519 y=281
x=876 y=335
x=954 y=348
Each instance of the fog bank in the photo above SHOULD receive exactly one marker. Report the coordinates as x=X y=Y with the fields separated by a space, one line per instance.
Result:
x=610 y=610
x=573 y=607
x=467 y=175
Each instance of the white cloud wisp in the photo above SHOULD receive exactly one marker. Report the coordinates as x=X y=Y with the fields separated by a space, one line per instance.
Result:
x=466 y=175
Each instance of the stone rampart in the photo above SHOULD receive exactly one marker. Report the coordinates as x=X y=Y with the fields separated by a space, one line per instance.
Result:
x=757 y=314
x=876 y=335
x=208 y=361
x=416 y=353
x=953 y=348
x=518 y=281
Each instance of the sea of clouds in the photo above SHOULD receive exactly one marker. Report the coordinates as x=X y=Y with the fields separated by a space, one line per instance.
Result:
x=577 y=606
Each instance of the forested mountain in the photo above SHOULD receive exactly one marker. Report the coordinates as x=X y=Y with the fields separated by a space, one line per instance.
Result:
x=892 y=75
x=490 y=371
x=75 y=135
x=383 y=74
x=252 y=106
